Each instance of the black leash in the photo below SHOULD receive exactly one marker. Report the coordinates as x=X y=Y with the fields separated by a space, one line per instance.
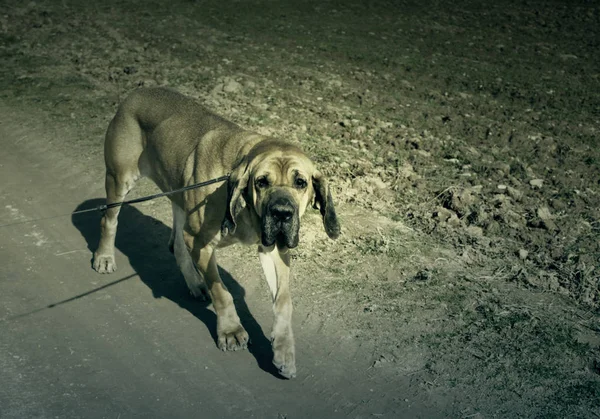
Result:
x=150 y=197
x=131 y=201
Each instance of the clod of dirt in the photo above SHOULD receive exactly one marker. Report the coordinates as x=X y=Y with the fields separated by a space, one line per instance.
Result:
x=545 y=217
x=227 y=85
x=372 y=185
x=458 y=200
x=596 y=366
x=376 y=182
x=475 y=232
x=536 y=183
x=514 y=193
x=493 y=227
x=407 y=85
x=231 y=86
x=408 y=172
x=381 y=361
x=447 y=217
x=423 y=275
x=130 y=69
x=360 y=130
x=442 y=214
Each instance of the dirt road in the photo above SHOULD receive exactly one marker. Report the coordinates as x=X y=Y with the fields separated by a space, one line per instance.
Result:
x=74 y=343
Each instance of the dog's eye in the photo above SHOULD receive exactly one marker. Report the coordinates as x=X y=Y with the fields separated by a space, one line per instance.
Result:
x=262 y=182
x=300 y=183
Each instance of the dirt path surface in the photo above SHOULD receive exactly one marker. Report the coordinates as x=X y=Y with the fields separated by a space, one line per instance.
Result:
x=461 y=142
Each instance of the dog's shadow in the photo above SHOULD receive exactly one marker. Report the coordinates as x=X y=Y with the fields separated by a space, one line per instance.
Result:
x=143 y=240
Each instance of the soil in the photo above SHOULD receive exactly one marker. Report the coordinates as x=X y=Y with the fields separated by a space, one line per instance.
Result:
x=461 y=140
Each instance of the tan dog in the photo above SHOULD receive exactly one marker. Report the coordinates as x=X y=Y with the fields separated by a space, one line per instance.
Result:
x=176 y=142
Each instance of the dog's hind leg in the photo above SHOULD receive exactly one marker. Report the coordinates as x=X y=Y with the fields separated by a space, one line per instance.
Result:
x=179 y=248
x=122 y=151
x=117 y=187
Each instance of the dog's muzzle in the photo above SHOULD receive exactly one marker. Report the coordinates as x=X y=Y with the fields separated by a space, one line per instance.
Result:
x=280 y=222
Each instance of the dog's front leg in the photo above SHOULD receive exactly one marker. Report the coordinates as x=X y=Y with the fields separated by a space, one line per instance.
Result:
x=231 y=336
x=276 y=265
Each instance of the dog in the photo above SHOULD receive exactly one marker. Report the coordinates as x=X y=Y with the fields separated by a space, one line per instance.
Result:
x=176 y=142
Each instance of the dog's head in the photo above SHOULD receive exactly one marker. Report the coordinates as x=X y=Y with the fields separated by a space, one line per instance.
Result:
x=277 y=182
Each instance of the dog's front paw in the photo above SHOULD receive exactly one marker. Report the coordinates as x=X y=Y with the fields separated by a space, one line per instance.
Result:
x=232 y=338
x=104 y=264
x=284 y=357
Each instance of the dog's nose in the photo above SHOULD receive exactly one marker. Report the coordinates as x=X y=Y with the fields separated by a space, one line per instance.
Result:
x=282 y=210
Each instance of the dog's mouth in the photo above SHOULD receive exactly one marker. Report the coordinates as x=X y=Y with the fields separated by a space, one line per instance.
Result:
x=284 y=235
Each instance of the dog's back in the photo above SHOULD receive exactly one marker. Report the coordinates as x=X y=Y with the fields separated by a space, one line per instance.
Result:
x=155 y=132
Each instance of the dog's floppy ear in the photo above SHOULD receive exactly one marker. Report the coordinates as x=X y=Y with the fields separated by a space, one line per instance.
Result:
x=238 y=181
x=324 y=202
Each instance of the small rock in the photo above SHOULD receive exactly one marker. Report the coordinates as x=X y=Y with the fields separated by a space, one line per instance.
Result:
x=566 y=57
x=502 y=188
x=523 y=254
x=537 y=183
